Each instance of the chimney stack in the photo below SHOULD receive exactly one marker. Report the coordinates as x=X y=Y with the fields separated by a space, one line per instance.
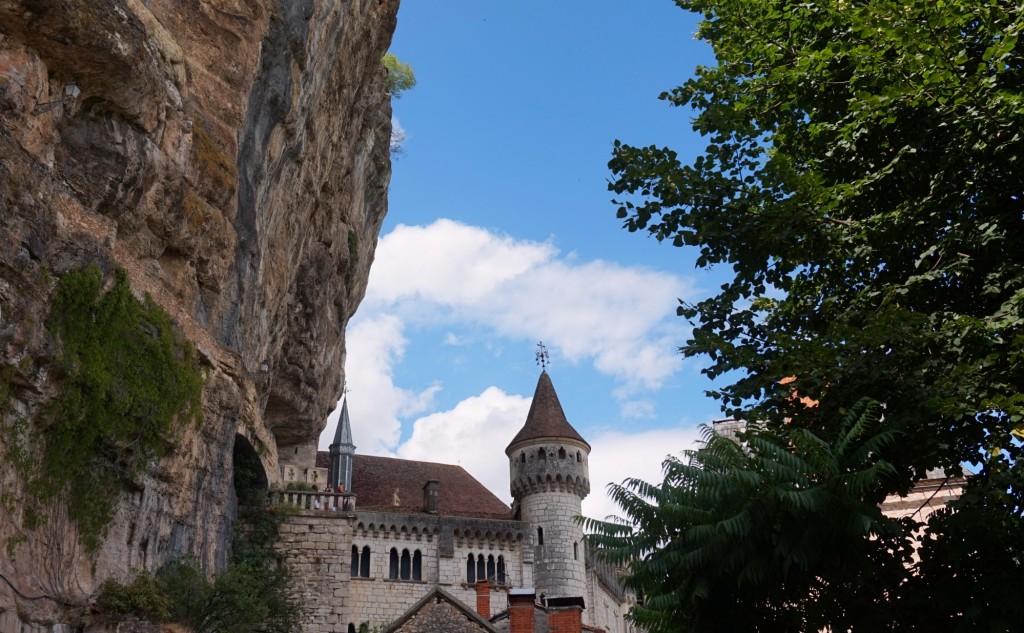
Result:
x=520 y=610
x=565 y=615
x=483 y=599
x=430 y=492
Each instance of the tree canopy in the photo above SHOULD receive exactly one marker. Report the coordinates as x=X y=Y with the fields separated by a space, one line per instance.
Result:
x=863 y=180
x=399 y=75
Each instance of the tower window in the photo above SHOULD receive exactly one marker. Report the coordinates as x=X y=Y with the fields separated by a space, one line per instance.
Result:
x=393 y=564
x=470 y=570
x=542 y=455
x=561 y=453
x=481 y=570
x=540 y=536
x=491 y=573
x=575 y=550
x=360 y=564
x=522 y=457
x=406 y=565
x=501 y=570
x=417 y=566
x=364 y=563
x=578 y=456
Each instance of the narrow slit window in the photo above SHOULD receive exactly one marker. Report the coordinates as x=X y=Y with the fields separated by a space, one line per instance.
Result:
x=406 y=565
x=364 y=562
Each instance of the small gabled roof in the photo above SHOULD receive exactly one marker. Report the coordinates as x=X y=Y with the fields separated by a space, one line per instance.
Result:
x=440 y=599
x=546 y=420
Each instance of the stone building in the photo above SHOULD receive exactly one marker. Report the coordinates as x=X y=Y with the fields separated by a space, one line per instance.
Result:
x=411 y=544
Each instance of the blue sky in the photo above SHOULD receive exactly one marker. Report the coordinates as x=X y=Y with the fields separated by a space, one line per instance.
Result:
x=501 y=233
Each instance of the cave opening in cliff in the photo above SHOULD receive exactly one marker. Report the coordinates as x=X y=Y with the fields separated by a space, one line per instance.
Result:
x=250 y=478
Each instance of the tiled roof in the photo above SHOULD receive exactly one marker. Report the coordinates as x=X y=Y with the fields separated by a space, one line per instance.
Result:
x=546 y=418
x=374 y=480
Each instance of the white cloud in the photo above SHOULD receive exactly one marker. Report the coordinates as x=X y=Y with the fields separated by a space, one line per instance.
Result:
x=622 y=319
x=616 y=456
x=637 y=409
x=474 y=435
x=375 y=345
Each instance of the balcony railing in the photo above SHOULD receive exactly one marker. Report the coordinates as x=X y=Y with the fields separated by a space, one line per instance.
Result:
x=315 y=501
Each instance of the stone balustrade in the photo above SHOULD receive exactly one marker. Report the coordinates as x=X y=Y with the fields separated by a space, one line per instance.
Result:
x=307 y=500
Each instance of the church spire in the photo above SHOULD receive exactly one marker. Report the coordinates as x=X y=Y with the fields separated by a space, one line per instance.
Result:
x=342 y=451
x=343 y=432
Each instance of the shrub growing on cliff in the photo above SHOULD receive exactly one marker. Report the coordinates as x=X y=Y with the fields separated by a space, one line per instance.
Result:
x=399 y=75
x=124 y=382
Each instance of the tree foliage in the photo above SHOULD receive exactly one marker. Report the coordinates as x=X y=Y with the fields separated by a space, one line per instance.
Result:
x=744 y=537
x=863 y=180
x=399 y=75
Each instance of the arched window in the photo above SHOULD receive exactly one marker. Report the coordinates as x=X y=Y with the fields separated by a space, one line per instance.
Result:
x=522 y=457
x=575 y=550
x=481 y=571
x=406 y=565
x=393 y=564
x=542 y=455
x=470 y=570
x=351 y=628
x=490 y=567
x=354 y=568
x=578 y=456
x=561 y=453
x=364 y=562
x=501 y=570
x=417 y=566
x=540 y=536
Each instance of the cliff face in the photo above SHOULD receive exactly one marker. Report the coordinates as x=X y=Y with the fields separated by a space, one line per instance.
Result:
x=232 y=157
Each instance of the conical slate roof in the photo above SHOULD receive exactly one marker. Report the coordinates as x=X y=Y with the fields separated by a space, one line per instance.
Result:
x=343 y=432
x=546 y=418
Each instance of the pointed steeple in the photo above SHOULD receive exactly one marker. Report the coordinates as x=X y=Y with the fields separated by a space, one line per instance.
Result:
x=546 y=418
x=342 y=451
x=343 y=432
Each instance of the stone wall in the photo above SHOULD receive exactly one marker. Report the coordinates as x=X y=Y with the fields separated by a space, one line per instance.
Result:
x=319 y=546
x=560 y=561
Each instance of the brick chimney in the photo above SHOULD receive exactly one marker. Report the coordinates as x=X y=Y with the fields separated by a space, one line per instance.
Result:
x=565 y=615
x=520 y=610
x=483 y=599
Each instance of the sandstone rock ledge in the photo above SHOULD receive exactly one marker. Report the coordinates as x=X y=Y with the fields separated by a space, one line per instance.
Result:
x=232 y=156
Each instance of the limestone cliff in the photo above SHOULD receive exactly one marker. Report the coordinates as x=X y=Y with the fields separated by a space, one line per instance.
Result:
x=232 y=157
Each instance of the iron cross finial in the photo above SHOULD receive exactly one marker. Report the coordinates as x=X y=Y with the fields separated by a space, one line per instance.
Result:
x=542 y=356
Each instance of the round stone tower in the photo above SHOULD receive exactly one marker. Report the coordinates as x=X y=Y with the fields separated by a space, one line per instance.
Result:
x=549 y=479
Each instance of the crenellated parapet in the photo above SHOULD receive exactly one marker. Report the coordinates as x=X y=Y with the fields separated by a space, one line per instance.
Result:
x=556 y=466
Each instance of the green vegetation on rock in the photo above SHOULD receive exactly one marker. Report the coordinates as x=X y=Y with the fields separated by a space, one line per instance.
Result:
x=252 y=594
x=125 y=385
x=399 y=75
